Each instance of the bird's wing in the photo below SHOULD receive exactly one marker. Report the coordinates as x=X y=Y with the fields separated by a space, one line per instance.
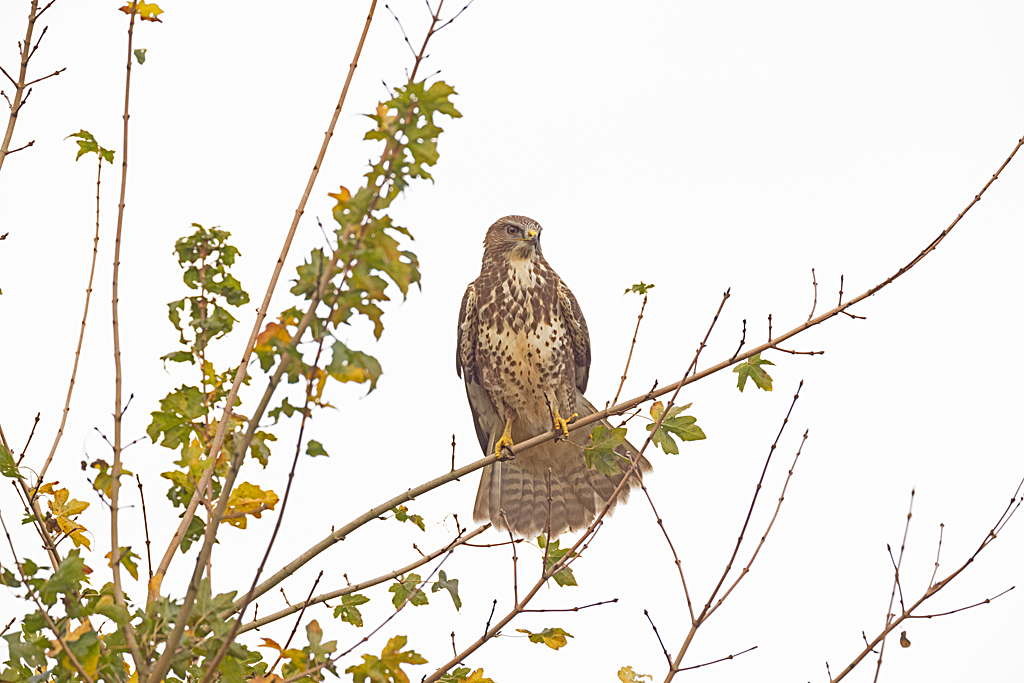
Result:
x=484 y=415
x=577 y=325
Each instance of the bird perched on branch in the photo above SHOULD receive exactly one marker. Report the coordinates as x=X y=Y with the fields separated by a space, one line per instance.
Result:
x=524 y=354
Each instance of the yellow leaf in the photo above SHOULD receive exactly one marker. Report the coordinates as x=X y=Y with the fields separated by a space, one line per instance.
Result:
x=248 y=499
x=47 y=488
x=147 y=11
x=627 y=675
x=154 y=584
x=62 y=507
x=478 y=677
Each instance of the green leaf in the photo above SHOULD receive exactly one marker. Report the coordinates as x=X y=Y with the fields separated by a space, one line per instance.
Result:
x=600 y=454
x=638 y=288
x=452 y=586
x=552 y=637
x=752 y=368
x=7 y=578
x=196 y=530
x=405 y=589
x=87 y=143
x=463 y=675
x=315 y=448
x=402 y=515
x=347 y=609
x=66 y=580
x=140 y=55
x=674 y=425
x=563 y=577
x=353 y=366
x=7 y=466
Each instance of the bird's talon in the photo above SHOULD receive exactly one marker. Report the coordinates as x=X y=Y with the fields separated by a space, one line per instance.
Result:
x=505 y=454
x=562 y=426
x=503 y=448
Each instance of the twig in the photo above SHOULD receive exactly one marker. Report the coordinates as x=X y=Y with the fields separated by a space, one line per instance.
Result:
x=141 y=665
x=704 y=342
x=295 y=628
x=931 y=582
x=58 y=72
x=898 y=585
x=943 y=614
x=668 y=658
x=515 y=559
x=20 y=85
x=402 y=29
x=46 y=615
x=800 y=353
x=814 y=279
x=896 y=582
x=27 y=144
x=688 y=668
x=632 y=345
x=453 y=453
x=571 y=609
x=30 y=435
x=675 y=556
x=145 y=524
x=81 y=330
x=487 y=627
x=9 y=624
x=743 y=340
x=769 y=328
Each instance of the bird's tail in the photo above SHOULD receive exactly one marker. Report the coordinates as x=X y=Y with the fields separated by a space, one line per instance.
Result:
x=520 y=488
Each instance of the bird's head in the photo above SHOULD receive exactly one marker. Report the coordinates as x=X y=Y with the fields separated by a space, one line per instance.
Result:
x=516 y=238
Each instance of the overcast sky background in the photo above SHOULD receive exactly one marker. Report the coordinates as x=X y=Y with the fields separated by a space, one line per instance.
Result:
x=699 y=146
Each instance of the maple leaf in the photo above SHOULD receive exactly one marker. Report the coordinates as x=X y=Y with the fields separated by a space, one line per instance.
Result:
x=406 y=590
x=388 y=667
x=63 y=508
x=147 y=11
x=600 y=454
x=564 y=576
x=347 y=609
x=752 y=368
x=248 y=499
x=127 y=558
x=450 y=585
x=674 y=425
x=460 y=676
x=552 y=637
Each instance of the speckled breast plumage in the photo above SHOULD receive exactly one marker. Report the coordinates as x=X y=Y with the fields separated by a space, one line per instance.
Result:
x=523 y=351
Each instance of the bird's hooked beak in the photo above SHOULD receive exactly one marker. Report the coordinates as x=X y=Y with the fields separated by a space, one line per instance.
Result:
x=533 y=237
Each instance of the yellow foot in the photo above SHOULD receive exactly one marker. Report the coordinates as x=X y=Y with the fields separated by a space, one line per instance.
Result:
x=503 y=449
x=563 y=425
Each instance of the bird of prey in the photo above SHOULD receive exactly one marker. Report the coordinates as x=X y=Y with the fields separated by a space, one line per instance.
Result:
x=524 y=353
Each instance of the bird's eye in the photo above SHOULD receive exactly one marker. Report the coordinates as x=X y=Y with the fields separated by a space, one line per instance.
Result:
x=513 y=230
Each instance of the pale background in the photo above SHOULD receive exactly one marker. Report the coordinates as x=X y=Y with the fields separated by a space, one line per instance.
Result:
x=699 y=146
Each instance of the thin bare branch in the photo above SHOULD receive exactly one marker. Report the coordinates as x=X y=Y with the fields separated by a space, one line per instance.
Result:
x=295 y=628
x=515 y=558
x=632 y=345
x=81 y=330
x=896 y=582
x=145 y=525
x=572 y=609
x=29 y=440
x=43 y=78
x=977 y=604
x=723 y=659
x=743 y=340
x=704 y=342
x=668 y=657
x=814 y=306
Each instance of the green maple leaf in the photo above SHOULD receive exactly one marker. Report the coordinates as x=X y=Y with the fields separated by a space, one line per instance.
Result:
x=600 y=454
x=751 y=368
x=674 y=426
x=450 y=585
x=348 y=611
x=405 y=589
x=564 y=576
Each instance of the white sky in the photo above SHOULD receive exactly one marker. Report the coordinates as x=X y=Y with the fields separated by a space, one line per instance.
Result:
x=699 y=146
